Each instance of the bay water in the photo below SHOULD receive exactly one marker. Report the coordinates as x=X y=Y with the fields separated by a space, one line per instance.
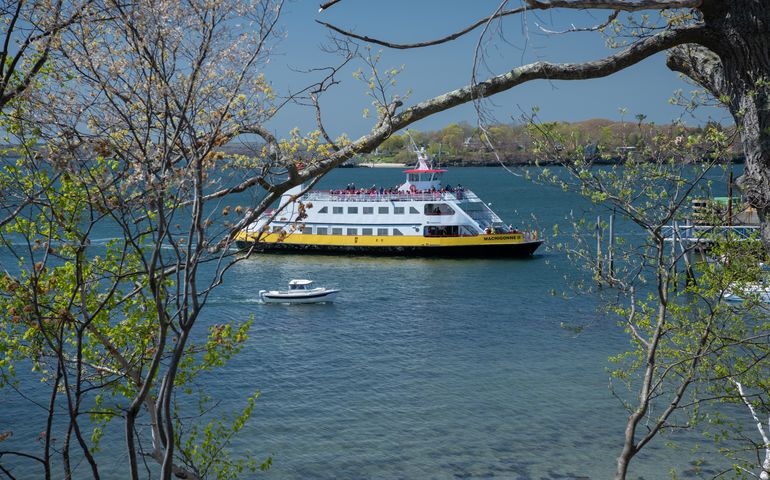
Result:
x=425 y=368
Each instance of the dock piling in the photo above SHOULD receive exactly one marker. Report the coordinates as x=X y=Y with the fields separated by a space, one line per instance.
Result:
x=611 y=247
x=599 y=250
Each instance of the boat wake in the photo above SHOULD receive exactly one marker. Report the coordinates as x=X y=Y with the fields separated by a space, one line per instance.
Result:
x=234 y=301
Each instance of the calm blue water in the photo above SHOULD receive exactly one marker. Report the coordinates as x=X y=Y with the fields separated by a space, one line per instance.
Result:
x=425 y=368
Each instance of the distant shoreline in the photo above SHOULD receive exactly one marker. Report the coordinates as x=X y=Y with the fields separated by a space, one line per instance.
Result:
x=738 y=160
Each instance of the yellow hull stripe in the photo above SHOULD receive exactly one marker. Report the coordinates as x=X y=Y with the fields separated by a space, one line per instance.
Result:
x=384 y=241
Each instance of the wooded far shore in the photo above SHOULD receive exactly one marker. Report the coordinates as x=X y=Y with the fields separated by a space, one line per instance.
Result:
x=599 y=140
x=602 y=141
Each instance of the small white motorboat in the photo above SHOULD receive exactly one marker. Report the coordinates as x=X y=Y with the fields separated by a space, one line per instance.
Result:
x=300 y=291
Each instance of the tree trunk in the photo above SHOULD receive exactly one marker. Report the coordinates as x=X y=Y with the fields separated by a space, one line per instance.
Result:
x=746 y=58
x=738 y=74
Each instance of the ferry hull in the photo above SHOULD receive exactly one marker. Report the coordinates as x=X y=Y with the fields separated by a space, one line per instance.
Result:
x=488 y=250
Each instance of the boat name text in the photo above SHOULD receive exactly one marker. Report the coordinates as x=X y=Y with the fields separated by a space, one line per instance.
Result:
x=504 y=237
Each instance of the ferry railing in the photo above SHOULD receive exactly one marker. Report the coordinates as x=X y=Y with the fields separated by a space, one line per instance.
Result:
x=484 y=215
x=346 y=196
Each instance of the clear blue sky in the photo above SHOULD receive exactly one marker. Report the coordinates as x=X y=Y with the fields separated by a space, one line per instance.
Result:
x=645 y=88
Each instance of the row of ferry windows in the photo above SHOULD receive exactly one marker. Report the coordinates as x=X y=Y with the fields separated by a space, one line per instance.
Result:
x=428 y=231
x=351 y=231
x=347 y=231
x=368 y=210
x=430 y=209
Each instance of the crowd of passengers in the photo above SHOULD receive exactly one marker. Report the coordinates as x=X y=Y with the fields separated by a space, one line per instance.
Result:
x=352 y=190
x=492 y=230
x=452 y=231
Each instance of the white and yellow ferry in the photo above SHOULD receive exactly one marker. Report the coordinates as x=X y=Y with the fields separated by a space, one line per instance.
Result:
x=418 y=218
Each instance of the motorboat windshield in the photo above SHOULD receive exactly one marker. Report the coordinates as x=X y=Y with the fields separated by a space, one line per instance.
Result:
x=300 y=285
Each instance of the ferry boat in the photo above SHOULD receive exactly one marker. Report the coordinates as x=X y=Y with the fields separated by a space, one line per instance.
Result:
x=417 y=218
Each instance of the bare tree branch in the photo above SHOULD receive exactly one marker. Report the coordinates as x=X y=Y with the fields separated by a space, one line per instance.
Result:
x=9 y=69
x=326 y=5
x=617 y=5
x=700 y=64
x=636 y=6
x=765 y=474
x=575 y=29
x=405 y=46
